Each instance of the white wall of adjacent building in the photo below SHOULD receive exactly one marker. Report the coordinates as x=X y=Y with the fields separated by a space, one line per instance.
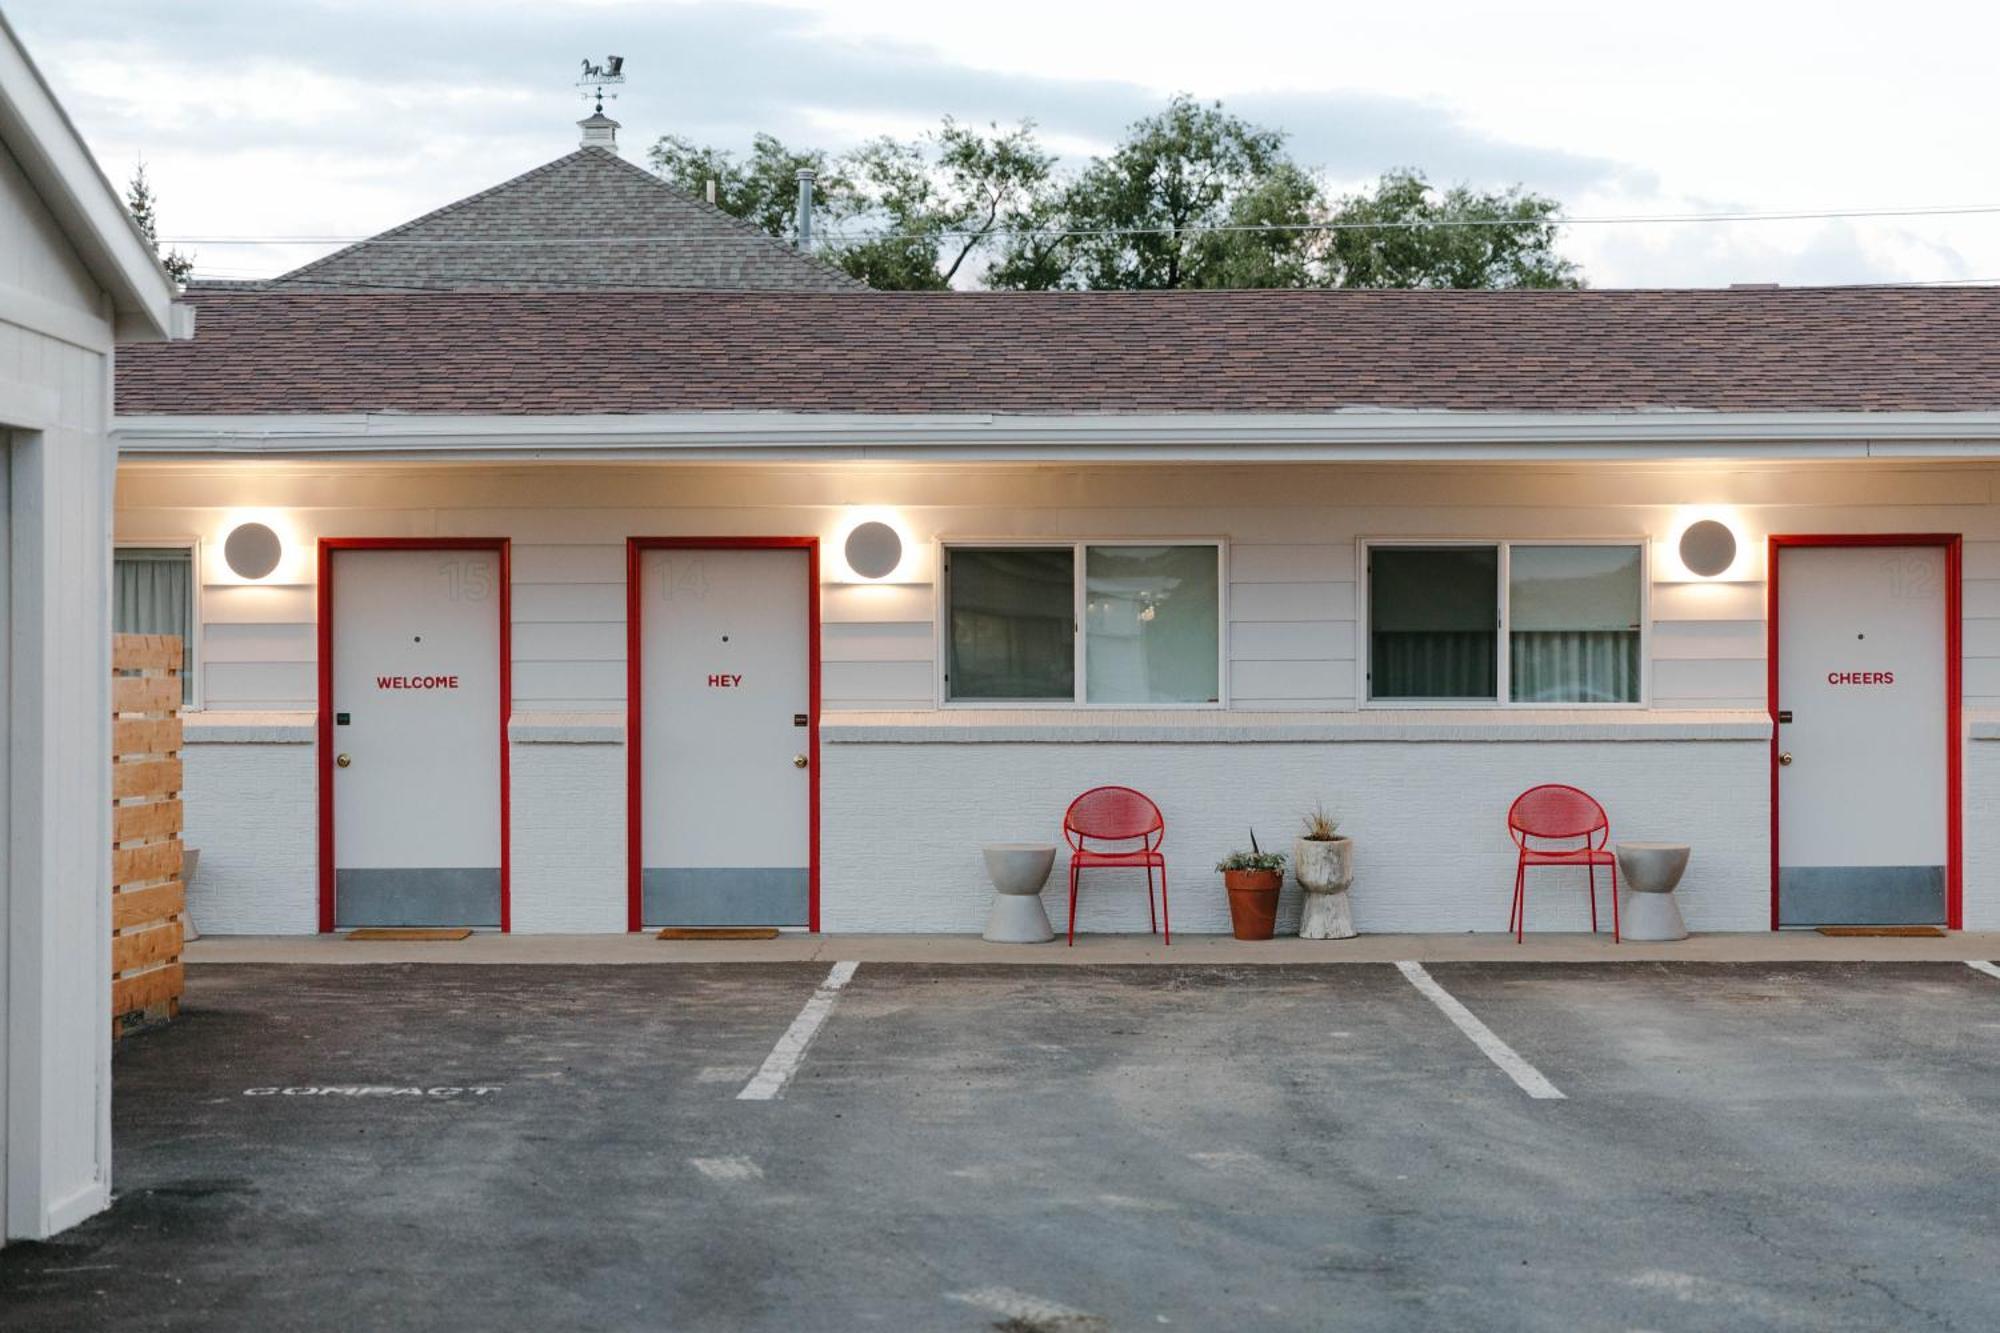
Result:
x=1427 y=802
x=56 y=332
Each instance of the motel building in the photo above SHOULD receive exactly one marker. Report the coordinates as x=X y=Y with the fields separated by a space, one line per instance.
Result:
x=578 y=559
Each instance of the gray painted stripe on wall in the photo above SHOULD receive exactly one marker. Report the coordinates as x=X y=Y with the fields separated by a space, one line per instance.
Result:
x=1861 y=896
x=726 y=896
x=441 y=896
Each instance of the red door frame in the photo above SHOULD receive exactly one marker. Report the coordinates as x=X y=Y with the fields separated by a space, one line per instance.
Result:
x=327 y=546
x=635 y=833
x=1954 y=655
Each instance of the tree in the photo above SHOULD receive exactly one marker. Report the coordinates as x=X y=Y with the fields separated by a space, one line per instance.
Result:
x=139 y=199
x=1193 y=197
x=932 y=205
x=764 y=189
x=898 y=216
x=1409 y=234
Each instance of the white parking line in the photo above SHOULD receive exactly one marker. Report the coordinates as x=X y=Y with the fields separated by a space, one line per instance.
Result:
x=785 y=1057
x=1987 y=968
x=1498 y=1051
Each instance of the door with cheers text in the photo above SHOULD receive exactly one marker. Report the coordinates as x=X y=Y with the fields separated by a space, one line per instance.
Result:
x=1862 y=735
x=726 y=729
x=416 y=638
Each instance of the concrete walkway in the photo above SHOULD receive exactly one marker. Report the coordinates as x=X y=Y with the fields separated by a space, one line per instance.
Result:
x=1790 y=946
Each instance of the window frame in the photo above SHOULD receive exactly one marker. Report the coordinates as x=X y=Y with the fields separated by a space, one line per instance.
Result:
x=1503 y=626
x=1080 y=640
x=191 y=654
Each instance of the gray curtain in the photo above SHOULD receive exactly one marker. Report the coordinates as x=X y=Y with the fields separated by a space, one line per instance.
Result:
x=1433 y=664
x=153 y=593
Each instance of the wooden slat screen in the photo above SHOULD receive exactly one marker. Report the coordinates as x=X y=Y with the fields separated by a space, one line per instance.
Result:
x=148 y=898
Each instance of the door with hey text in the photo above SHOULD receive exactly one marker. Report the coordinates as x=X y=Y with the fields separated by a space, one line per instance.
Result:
x=727 y=719
x=417 y=734
x=1864 y=717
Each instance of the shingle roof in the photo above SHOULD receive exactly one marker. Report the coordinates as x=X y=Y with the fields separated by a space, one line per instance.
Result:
x=589 y=219
x=1799 y=349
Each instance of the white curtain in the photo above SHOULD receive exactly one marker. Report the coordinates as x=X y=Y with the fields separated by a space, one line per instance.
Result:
x=153 y=593
x=1574 y=666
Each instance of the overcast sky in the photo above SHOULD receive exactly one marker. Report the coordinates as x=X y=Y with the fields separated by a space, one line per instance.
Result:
x=338 y=118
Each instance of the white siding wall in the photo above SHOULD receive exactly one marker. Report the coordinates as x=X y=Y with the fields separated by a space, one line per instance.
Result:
x=55 y=992
x=1294 y=535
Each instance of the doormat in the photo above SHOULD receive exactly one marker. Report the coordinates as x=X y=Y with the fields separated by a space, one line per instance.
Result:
x=718 y=933
x=408 y=933
x=1918 y=932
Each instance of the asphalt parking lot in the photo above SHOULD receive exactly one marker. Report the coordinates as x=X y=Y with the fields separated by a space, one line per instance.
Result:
x=1708 y=1146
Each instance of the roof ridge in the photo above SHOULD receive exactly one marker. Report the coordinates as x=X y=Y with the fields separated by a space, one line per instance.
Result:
x=434 y=214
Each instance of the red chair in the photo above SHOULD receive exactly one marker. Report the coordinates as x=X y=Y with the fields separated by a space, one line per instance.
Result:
x=1554 y=812
x=1117 y=814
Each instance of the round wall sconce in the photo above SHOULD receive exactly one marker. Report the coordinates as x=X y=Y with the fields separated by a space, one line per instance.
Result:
x=873 y=550
x=252 y=550
x=1708 y=548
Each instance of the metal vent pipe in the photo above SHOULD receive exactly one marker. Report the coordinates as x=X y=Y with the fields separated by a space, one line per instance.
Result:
x=805 y=208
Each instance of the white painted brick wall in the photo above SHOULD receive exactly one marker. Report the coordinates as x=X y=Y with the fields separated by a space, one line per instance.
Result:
x=252 y=810
x=568 y=814
x=902 y=826
x=1982 y=836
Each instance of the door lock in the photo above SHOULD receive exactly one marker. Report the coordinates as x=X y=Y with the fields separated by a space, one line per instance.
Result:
x=344 y=760
x=799 y=761
x=1785 y=758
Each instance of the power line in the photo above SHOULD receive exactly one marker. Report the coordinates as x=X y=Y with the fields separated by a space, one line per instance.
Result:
x=1065 y=233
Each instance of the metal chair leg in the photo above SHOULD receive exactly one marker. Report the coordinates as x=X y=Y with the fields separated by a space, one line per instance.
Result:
x=1153 y=921
x=1590 y=868
x=1072 y=905
x=1514 y=904
x=1165 y=919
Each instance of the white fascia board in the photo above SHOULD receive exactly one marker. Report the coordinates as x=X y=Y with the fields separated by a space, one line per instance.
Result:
x=1360 y=436
x=38 y=132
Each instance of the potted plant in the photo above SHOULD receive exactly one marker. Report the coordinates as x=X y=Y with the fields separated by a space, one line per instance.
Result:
x=1323 y=864
x=1252 y=879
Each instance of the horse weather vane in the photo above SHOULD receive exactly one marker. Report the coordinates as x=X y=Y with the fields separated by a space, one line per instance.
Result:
x=596 y=76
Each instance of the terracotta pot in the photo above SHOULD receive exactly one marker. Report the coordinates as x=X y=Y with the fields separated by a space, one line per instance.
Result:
x=1253 y=902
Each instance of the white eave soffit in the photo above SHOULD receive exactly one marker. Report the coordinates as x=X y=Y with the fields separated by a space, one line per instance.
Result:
x=1184 y=437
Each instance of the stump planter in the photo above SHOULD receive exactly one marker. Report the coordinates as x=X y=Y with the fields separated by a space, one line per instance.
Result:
x=1324 y=868
x=1253 y=902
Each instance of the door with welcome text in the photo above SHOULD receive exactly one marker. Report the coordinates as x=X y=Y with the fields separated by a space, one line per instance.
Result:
x=417 y=643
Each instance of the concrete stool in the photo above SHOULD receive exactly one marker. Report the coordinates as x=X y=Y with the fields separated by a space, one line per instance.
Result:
x=1018 y=871
x=1650 y=871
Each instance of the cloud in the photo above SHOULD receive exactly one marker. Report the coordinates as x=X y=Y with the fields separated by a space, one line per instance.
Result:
x=371 y=76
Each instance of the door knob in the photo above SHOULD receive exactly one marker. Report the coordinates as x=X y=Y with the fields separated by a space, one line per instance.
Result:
x=1785 y=758
x=798 y=761
x=344 y=760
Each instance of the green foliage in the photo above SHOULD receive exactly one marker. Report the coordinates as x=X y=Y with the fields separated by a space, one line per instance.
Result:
x=764 y=188
x=898 y=216
x=1408 y=234
x=1178 y=204
x=1193 y=197
x=941 y=201
x=1254 y=859
x=139 y=199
